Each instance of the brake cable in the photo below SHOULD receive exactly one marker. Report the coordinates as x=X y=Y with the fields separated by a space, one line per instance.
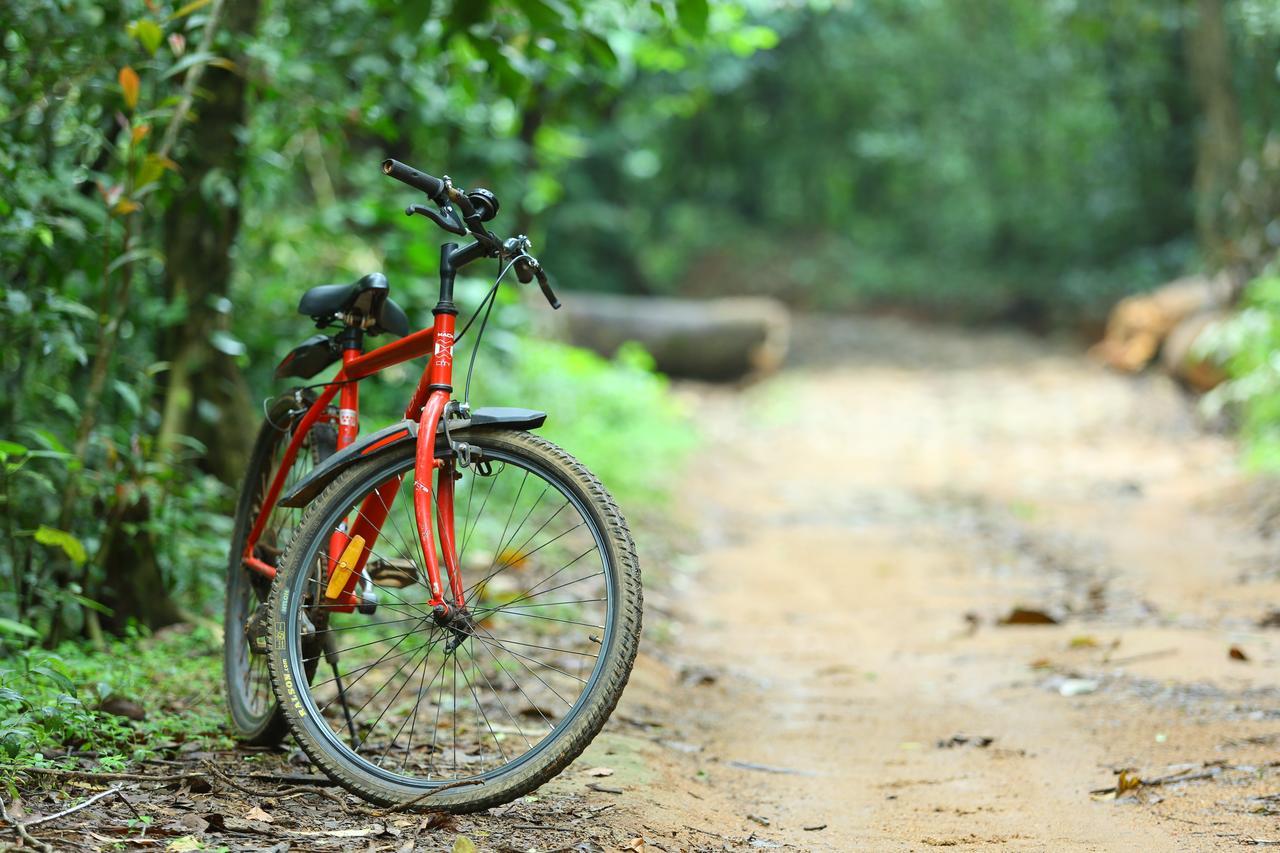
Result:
x=487 y=304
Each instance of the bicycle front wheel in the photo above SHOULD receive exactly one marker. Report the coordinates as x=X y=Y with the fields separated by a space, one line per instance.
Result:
x=477 y=712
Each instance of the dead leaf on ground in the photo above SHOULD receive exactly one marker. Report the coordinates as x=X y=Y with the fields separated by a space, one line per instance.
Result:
x=191 y=822
x=603 y=789
x=599 y=771
x=1028 y=616
x=760 y=819
x=681 y=746
x=118 y=706
x=636 y=843
x=1127 y=782
x=439 y=820
x=1271 y=620
x=697 y=676
x=980 y=741
x=1237 y=653
x=1077 y=686
x=464 y=845
x=257 y=813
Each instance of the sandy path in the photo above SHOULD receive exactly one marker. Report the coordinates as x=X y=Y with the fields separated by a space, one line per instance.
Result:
x=865 y=519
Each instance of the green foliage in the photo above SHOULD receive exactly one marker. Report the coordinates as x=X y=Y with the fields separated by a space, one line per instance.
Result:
x=617 y=416
x=1249 y=346
x=51 y=700
x=969 y=160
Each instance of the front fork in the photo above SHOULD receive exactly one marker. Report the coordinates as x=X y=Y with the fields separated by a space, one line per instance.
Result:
x=425 y=465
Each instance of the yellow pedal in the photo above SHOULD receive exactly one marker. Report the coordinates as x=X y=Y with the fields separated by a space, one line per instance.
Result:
x=346 y=565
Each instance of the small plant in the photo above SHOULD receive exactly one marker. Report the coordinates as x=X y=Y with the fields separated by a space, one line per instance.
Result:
x=53 y=702
x=1248 y=346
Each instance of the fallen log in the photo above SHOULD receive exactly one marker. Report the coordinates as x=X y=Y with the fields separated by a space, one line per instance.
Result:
x=714 y=339
x=1139 y=324
x=1182 y=358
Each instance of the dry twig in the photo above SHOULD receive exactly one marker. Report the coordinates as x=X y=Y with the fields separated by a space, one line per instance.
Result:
x=462 y=783
x=101 y=795
x=22 y=831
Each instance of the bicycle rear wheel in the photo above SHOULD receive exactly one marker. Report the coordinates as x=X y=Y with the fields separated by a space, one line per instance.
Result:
x=479 y=712
x=255 y=715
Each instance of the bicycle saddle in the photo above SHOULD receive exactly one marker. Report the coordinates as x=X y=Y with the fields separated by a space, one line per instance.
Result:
x=368 y=297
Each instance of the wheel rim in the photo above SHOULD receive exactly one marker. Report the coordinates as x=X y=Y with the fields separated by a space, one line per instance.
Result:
x=423 y=716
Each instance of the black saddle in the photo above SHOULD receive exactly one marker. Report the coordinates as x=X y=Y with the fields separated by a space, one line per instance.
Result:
x=367 y=298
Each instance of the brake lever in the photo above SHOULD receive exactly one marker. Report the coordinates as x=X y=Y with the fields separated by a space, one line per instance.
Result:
x=435 y=217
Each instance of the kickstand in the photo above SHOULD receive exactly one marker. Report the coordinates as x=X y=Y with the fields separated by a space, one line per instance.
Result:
x=331 y=655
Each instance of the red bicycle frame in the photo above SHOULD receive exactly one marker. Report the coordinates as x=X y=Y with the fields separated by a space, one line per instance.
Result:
x=427 y=406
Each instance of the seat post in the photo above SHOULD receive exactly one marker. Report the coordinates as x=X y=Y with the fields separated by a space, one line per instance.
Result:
x=351 y=341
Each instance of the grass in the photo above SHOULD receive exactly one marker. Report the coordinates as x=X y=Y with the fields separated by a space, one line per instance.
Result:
x=54 y=701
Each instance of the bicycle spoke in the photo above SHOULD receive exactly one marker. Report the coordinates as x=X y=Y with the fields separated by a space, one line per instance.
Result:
x=498 y=696
x=497 y=742
x=489 y=639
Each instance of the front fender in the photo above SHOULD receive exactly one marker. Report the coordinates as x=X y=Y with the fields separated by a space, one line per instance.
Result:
x=397 y=434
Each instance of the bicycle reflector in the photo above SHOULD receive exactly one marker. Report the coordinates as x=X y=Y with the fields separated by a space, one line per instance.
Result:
x=346 y=565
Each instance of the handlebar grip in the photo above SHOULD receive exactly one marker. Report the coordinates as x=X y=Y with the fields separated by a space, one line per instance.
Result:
x=545 y=287
x=432 y=186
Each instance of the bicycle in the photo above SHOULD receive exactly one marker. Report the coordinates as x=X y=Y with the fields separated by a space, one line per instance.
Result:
x=462 y=693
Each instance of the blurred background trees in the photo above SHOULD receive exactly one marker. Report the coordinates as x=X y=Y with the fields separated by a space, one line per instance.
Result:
x=173 y=176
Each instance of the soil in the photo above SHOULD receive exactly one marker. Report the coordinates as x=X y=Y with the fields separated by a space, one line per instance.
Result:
x=827 y=664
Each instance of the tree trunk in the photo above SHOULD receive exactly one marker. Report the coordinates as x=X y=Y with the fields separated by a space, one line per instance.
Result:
x=1219 y=141
x=206 y=396
x=134 y=586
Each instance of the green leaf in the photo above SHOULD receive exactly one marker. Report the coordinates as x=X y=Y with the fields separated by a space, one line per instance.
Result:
x=129 y=396
x=54 y=537
x=131 y=256
x=56 y=677
x=189 y=61
x=11 y=448
x=149 y=171
x=693 y=16
x=462 y=844
x=148 y=34
x=414 y=15
x=89 y=603
x=546 y=15
x=10 y=626
x=50 y=441
x=193 y=6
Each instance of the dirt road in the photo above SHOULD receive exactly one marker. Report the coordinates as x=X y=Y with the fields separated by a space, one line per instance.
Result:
x=863 y=523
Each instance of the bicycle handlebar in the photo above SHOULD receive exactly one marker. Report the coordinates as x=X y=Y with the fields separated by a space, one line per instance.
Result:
x=477 y=207
x=428 y=184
